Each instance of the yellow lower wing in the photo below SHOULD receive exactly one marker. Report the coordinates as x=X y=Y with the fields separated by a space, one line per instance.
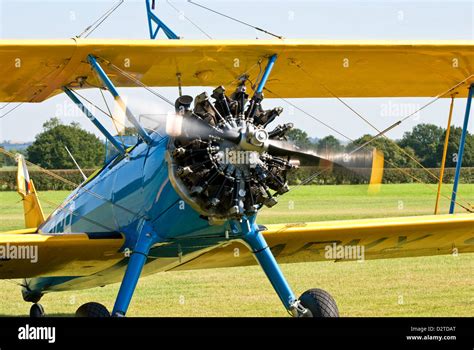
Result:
x=379 y=238
x=26 y=254
x=80 y=255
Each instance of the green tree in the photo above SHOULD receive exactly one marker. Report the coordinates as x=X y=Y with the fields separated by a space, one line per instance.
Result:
x=300 y=138
x=329 y=144
x=6 y=160
x=453 y=147
x=3 y=159
x=424 y=139
x=394 y=157
x=129 y=131
x=48 y=149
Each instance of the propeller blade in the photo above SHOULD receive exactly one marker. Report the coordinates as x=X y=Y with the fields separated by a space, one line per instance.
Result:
x=368 y=164
x=282 y=148
x=190 y=126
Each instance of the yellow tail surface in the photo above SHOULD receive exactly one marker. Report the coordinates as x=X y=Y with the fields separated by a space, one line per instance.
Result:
x=26 y=189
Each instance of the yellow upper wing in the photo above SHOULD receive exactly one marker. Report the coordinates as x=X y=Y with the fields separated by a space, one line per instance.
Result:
x=34 y=70
x=380 y=238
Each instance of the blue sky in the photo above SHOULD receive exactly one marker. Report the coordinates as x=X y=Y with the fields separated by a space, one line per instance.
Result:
x=293 y=19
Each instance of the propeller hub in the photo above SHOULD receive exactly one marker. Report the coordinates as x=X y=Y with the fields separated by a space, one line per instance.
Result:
x=259 y=137
x=253 y=138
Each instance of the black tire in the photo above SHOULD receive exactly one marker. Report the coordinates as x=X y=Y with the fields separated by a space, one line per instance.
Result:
x=36 y=311
x=92 y=310
x=320 y=303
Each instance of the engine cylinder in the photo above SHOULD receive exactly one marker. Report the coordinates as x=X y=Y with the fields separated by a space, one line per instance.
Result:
x=223 y=170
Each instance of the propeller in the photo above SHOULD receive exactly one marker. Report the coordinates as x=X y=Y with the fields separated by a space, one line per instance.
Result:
x=366 y=163
x=189 y=126
x=360 y=159
x=224 y=161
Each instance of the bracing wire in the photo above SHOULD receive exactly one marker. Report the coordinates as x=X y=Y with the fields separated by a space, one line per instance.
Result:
x=380 y=133
x=91 y=28
x=11 y=110
x=392 y=126
x=236 y=20
x=309 y=115
x=21 y=103
x=12 y=206
x=181 y=13
x=114 y=122
x=108 y=114
x=73 y=184
x=137 y=81
x=316 y=174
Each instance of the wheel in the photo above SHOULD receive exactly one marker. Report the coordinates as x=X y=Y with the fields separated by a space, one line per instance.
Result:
x=320 y=303
x=36 y=311
x=92 y=310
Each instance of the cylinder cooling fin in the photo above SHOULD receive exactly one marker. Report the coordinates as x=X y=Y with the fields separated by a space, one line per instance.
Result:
x=218 y=158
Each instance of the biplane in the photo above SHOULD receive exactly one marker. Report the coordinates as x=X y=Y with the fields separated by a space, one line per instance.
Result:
x=187 y=193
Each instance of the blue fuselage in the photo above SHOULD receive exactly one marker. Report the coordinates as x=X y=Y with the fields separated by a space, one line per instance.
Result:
x=127 y=191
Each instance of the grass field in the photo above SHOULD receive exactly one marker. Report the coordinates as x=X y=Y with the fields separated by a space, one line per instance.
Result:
x=427 y=286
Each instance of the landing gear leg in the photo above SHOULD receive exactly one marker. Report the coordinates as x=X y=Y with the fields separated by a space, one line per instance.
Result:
x=313 y=303
x=146 y=239
x=265 y=258
x=32 y=296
